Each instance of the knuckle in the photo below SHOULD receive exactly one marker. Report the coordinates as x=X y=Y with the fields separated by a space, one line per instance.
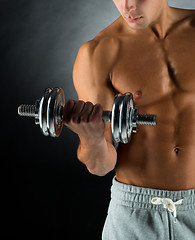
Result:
x=80 y=102
x=98 y=107
x=87 y=107
x=89 y=103
x=78 y=106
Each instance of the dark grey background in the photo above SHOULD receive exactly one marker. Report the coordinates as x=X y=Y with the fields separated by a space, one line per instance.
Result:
x=46 y=193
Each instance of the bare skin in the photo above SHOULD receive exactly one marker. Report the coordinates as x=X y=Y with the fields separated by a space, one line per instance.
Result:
x=157 y=64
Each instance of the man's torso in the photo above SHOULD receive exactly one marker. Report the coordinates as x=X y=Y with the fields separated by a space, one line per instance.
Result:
x=163 y=71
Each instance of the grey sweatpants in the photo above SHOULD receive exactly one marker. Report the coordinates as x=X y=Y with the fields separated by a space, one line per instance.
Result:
x=149 y=214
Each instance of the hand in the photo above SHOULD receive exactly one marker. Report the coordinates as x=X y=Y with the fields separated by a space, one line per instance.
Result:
x=85 y=119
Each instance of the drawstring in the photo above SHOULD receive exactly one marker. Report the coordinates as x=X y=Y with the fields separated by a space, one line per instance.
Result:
x=168 y=204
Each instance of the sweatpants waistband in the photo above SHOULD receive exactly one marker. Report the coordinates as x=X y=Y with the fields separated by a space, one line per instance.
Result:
x=133 y=196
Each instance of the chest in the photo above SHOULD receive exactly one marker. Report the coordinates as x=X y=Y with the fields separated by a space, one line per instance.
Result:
x=156 y=67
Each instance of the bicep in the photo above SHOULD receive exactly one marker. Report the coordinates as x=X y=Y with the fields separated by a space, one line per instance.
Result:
x=91 y=79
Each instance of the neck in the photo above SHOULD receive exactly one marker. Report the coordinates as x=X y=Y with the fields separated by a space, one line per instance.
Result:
x=160 y=26
x=164 y=21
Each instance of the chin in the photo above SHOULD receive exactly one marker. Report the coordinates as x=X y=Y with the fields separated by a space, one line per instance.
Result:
x=138 y=26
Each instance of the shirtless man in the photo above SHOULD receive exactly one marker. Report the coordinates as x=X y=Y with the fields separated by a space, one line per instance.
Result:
x=148 y=51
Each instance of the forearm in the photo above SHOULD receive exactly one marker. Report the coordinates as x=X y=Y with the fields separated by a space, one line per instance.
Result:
x=99 y=158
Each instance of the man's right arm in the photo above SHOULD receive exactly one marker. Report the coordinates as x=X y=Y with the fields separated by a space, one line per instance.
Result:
x=91 y=73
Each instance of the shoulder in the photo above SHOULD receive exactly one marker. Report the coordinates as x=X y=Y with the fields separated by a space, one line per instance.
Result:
x=184 y=13
x=105 y=44
x=101 y=51
x=97 y=57
x=184 y=16
x=100 y=44
x=189 y=15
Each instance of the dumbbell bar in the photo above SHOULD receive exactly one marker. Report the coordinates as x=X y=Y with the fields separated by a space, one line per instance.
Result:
x=124 y=118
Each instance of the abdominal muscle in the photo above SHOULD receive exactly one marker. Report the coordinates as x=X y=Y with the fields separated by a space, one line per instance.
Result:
x=161 y=156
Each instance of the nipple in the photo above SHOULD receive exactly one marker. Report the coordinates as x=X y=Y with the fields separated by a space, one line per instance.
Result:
x=137 y=94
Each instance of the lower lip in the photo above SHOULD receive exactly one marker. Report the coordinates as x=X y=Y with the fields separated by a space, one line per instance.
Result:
x=134 y=20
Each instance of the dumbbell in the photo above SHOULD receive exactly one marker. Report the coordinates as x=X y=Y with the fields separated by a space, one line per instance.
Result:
x=124 y=118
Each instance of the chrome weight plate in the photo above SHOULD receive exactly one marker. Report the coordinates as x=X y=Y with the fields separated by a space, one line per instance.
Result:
x=56 y=102
x=43 y=111
x=115 y=121
x=124 y=118
x=131 y=124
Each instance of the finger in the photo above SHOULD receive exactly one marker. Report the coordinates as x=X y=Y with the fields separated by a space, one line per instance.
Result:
x=96 y=115
x=87 y=109
x=67 y=110
x=78 y=107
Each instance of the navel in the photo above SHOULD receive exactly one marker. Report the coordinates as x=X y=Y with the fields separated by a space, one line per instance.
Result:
x=177 y=150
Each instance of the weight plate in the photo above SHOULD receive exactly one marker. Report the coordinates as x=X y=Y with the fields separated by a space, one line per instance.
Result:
x=59 y=105
x=116 y=117
x=54 y=115
x=43 y=112
x=131 y=117
x=124 y=118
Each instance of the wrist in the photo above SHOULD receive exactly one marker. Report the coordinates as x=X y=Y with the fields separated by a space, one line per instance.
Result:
x=87 y=143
